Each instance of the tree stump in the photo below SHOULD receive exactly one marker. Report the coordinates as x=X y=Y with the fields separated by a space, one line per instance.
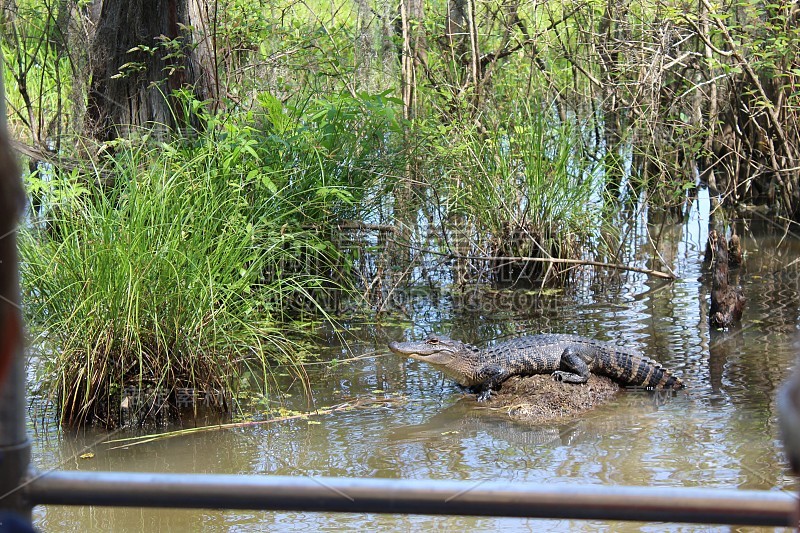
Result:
x=727 y=302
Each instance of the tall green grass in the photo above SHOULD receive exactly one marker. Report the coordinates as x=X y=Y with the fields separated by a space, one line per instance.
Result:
x=526 y=190
x=185 y=265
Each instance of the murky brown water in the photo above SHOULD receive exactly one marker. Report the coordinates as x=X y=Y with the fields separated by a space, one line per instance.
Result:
x=720 y=432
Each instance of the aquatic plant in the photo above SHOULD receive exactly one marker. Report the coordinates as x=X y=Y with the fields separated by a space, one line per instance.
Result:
x=525 y=190
x=181 y=267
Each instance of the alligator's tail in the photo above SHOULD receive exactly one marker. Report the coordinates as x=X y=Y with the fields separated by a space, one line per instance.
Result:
x=635 y=370
x=661 y=378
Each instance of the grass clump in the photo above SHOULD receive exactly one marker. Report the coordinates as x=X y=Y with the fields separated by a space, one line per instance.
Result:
x=183 y=266
x=525 y=191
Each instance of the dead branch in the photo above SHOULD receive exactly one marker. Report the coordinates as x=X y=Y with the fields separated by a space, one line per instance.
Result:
x=550 y=260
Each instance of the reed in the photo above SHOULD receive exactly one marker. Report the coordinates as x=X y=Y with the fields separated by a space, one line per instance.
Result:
x=527 y=190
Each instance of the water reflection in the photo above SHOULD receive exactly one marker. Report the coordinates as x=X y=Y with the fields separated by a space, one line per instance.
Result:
x=720 y=432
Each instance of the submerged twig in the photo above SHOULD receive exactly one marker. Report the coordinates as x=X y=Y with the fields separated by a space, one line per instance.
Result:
x=358 y=403
x=369 y=355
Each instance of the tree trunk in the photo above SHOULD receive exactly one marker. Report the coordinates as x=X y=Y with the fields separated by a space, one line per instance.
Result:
x=141 y=53
x=203 y=20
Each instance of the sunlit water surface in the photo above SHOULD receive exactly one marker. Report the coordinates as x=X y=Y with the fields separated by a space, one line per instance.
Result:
x=720 y=432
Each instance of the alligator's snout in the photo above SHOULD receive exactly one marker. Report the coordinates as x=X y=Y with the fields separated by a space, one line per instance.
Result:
x=416 y=349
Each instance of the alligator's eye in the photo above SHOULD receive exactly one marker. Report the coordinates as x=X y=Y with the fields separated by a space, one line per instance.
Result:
x=432 y=340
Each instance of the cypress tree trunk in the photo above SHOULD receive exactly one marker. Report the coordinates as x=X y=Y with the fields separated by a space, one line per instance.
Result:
x=143 y=51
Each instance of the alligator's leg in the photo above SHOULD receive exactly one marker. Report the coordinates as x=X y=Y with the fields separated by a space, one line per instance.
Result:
x=576 y=369
x=492 y=377
x=483 y=392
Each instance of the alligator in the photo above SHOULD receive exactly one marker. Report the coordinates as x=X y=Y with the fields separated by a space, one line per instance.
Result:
x=569 y=358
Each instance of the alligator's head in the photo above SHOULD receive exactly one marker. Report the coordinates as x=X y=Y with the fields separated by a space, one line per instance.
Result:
x=456 y=359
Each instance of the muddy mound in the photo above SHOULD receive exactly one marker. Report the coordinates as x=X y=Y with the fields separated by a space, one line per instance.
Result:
x=542 y=399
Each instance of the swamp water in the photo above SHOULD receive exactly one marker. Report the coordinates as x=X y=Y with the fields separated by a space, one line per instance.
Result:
x=720 y=432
